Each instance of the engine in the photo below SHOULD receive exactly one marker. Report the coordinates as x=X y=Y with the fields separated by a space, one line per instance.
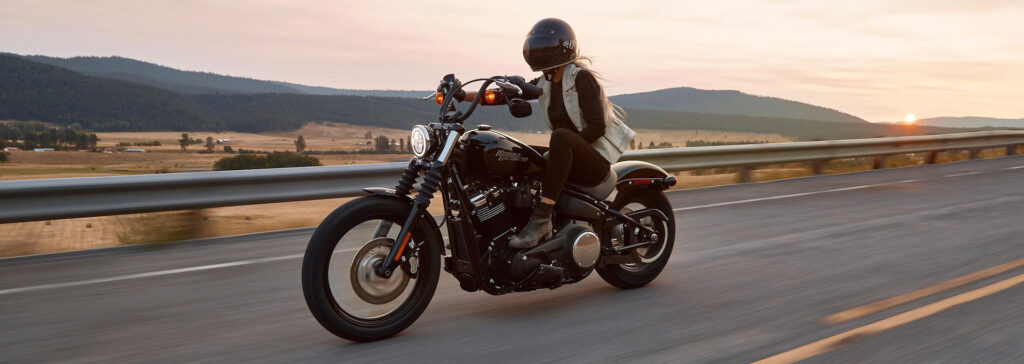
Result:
x=499 y=176
x=498 y=210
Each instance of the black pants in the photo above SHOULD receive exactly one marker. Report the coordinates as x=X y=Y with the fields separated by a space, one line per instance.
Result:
x=572 y=159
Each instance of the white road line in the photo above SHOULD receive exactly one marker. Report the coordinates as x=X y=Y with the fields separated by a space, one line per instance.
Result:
x=148 y=274
x=779 y=197
x=961 y=174
x=1009 y=168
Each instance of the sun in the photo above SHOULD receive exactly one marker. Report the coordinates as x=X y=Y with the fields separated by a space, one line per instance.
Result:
x=909 y=119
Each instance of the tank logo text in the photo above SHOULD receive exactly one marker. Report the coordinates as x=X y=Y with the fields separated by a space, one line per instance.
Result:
x=504 y=155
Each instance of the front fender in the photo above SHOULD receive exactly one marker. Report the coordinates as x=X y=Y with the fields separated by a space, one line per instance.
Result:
x=385 y=191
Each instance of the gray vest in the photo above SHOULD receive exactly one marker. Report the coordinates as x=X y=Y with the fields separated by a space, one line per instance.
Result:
x=616 y=136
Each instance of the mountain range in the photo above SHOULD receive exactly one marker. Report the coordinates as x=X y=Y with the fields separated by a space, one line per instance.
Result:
x=121 y=94
x=191 y=82
x=729 y=102
x=972 y=122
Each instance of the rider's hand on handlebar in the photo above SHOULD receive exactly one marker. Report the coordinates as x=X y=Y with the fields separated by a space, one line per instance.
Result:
x=448 y=82
x=517 y=80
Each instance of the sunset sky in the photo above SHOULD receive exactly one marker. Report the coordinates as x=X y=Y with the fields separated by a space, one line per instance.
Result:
x=875 y=59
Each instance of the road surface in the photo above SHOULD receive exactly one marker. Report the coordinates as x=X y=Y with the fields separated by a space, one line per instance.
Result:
x=784 y=270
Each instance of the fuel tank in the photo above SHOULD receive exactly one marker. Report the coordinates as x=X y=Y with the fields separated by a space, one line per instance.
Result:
x=499 y=154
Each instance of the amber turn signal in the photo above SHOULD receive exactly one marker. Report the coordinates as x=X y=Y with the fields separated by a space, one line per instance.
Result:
x=490 y=96
x=439 y=98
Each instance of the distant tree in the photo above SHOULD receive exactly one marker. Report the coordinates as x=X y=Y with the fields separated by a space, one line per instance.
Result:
x=401 y=144
x=184 y=141
x=632 y=144
x=300 y=145
x=93 y=141
x=382 y=144
x=46 y=139
x=210 y=144
x=272 y=160
x=650 y=146
x=229 y=149
x=3 y=156
x=369 y=135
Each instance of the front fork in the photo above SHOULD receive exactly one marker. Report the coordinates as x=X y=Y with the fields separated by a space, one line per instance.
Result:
x=431 y=182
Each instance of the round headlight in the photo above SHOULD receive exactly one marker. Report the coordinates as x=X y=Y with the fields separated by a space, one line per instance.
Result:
x=420 y=140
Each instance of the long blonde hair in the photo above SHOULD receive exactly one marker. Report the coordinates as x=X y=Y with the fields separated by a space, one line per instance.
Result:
x=584 y=62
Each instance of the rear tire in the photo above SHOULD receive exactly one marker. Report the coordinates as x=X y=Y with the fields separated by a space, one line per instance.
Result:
x=627 y=276
x=320 y=289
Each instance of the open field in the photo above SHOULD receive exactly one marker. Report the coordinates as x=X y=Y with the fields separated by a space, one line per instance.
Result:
x=169 y=158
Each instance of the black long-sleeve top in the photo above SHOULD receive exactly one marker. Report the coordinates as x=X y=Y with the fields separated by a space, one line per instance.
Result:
x=591 y=107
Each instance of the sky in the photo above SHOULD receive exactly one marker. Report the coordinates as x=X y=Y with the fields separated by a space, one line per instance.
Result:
x=872 y=58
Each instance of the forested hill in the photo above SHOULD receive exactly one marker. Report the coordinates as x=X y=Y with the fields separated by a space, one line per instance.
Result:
x=729 y=102
x=190 y=82
x=35 y=91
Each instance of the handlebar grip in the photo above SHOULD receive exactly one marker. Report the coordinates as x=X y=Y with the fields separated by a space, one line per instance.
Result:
x=530 y=91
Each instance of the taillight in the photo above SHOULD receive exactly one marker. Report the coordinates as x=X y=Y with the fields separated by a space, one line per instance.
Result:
x=439 y=98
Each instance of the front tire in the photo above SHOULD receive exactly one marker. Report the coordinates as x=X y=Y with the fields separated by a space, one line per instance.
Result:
x=342 y=295
x=653 y=259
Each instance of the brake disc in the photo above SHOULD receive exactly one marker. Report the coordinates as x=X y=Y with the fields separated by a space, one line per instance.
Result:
x=369 y=286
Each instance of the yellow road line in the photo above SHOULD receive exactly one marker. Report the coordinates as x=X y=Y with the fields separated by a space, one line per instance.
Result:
x=849 y=337
x=878 y=306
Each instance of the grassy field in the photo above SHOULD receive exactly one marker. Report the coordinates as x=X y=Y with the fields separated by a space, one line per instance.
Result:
x=86 y=233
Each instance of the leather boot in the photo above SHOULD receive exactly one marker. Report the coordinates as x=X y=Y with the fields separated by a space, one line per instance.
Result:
x=538 y=228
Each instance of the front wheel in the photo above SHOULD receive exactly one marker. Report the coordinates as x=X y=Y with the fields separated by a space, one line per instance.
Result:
x=651 y=259
x=338 y=280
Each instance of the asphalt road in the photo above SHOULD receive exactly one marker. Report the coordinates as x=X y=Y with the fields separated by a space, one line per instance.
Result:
x=756 y=270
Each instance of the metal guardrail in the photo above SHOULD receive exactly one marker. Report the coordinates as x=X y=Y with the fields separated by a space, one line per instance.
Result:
x=33 y=200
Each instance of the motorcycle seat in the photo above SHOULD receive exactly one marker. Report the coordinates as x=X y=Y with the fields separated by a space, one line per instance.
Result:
x=602 y=190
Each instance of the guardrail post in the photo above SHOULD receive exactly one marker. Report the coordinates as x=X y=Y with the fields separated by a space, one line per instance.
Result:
x=818 y=167
x=974 y=153
x=1011 y=150
x=879 y=162
x=743 y=176
x=931 y=157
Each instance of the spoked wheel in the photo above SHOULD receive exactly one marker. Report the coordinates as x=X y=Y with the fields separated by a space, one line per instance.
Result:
x=651 y=259
x=341 y=287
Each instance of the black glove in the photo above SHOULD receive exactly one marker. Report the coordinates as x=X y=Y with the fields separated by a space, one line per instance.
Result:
x=530 y=91
x=447 y=83
x=517 y=80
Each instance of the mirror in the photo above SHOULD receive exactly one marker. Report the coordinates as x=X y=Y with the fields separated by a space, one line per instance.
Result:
x=520 y=108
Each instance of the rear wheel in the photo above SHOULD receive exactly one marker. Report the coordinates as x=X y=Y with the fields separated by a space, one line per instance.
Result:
x=338 y=280
x=651 y=259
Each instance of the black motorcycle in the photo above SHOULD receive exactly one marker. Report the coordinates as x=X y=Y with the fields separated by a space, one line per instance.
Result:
x=373 y=264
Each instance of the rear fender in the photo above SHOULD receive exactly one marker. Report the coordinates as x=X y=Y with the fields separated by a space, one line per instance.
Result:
x=637 y=175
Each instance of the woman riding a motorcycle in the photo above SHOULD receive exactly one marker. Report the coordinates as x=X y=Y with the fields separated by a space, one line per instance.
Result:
x=587 y=132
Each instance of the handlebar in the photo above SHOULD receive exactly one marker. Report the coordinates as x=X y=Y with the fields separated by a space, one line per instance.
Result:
x=510 y=90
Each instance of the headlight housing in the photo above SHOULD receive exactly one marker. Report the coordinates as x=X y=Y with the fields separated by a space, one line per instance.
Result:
x=420 y=140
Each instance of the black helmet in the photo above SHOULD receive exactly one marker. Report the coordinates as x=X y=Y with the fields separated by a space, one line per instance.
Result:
x=550 y=43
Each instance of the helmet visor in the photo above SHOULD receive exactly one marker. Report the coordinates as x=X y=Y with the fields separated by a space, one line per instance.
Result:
x=545 y=51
